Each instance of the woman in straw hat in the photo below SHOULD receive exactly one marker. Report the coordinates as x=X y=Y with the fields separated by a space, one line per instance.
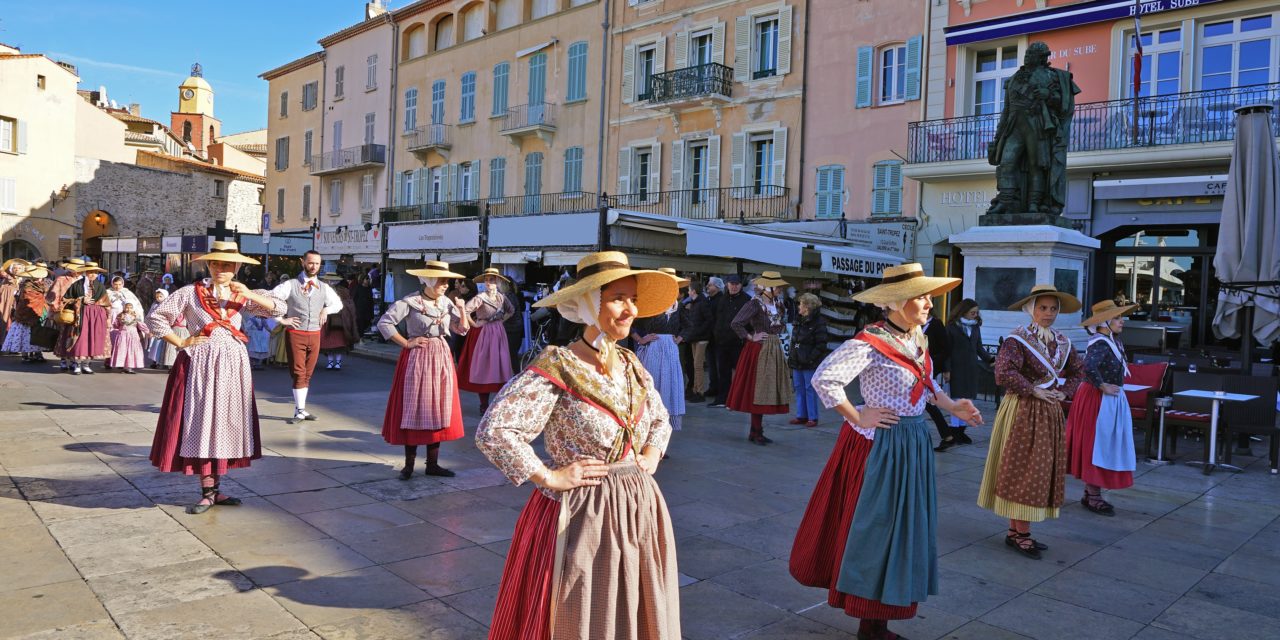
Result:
x=761 y=380
x=1100 y=428
x=340 y=331
x=485 y=364
x=85 y=339
x=10 y=278
x=593 y=553
x=30 y=310
x=869 y=533
x=209 y=419
x=658 y=339
x=68 y=273
x=424 y=407
x=1027 y=462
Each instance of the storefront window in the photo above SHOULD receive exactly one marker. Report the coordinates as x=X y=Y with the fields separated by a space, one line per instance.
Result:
x=1239 y=52
x=1161 y=238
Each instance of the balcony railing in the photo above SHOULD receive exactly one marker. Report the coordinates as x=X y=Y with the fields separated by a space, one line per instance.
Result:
x=529 y=116
x=691 y=83
x=767 y=202
x=1183 y=118
x=432 y=136
x=571 y=202
x=433 y=211
x=348 y=159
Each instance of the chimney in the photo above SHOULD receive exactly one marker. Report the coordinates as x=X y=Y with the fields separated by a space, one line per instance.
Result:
x=135 y=109
x=373 y=9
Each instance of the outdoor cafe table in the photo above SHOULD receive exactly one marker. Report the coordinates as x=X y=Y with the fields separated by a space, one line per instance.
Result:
x=1218 y=397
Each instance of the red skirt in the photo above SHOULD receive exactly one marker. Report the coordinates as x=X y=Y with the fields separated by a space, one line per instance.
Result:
x=820 y=541
x=464 y=365
x=167 y=443
x=391 y=431
x=743 y=390
x=523 y=609
x=1081 y=429
x=333 y=339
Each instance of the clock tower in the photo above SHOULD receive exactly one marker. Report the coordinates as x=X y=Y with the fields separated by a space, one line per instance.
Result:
x=193 y=122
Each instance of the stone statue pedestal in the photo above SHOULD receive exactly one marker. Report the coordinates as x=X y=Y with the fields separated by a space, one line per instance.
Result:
x=1023 y=219
x=1002 y=263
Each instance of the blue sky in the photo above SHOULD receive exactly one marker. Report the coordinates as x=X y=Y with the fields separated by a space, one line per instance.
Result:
x=141 y=50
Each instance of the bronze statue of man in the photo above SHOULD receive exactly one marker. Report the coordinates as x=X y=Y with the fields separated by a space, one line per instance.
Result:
x=1030 y=146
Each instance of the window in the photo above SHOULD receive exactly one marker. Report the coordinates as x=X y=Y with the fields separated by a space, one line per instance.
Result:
x=573 y=169
x=284 y=104
x=765 y=45
x=1161 y=60
x=186 y=131
x=306 y=202
x=886 y=182
x=533 y=182
x=416 y=42
x=464 y=182
x=644 y=163
x=992 y=67
x=577 y=72
x=366 y=192
x=371 y=80
x=508 y=13
x=537 y=79
x=337 y=137
x=9 y=195
x=444 y=33
x=335 y=196
x=338 y=74
x=468 y=104
x=282 y=153
x=310 y=93
x=8 y=135
x=279 y=205
x=702 y=48
x=39 y=81
x=500 y=73
x=473 y=22
x=219 y=188
x=1239 y=52
x=646 y=58
x=761 y=149
x=698 y=156
x=830 y=191
x=307 y=137
x=437 y=102
x=497 y=178
x=410 y=109
x=893 y=74
x=437 y=184
x=542 y=8
x=369 y=119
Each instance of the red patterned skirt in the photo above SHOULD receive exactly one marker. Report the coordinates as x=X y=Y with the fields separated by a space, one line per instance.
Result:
x=523 y=609
x=743 y=390
x=818 y=550
x=167 y=443
x=1081 y=430
x=391 y=420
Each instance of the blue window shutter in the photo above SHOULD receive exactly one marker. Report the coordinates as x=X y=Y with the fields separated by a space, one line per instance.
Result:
x=837 y=192
x=866 y=58
x=824 y=196
x=914 y=49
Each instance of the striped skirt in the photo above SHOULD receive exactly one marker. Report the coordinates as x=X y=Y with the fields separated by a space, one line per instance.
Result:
x=423 y=406
x=661 y=358
x=761 y=367
x=599 y=564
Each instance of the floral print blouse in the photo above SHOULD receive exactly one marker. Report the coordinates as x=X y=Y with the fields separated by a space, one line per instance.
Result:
x=570 y=413
x=1101 y=365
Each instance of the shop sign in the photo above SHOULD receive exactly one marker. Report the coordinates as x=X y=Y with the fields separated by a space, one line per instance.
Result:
x=434 y=236
x=149 y=245
x=852 y=265
x=1176 y=204
x=349 y=241
x=171 y=244
x=252 y=244
x=893 y=238
x=554 y=230
x=195 y=244
x=109 y=245
x=127 y=245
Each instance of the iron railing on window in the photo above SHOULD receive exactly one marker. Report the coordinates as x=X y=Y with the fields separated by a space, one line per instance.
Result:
x=432 y=135
x=349 y=157
x=564 y=202
x=766 y=202
x=433 y=211
x=542 y=114
x=691 y=82
x=1181 y=118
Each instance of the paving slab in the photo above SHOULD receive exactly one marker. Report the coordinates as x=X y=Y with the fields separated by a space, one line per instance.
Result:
x=123 y=593
x=709 y=610
x=402 y=543
x=318 y=499
x=32 y=558
x=60 y=605
x=1200 y=618
x=430 y=620
x=476 y=604
x=1120 y=598
x=1048 y=619
x=320 y=600
x=452 y=572
x=248 y=615
x=274 y=563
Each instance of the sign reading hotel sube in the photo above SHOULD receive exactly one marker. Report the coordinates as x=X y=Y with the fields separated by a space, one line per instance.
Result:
x=1145 y=7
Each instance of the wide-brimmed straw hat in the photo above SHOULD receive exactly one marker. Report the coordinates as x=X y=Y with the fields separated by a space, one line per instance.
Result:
x=1107 y=310
x=1067 y=303
x=434 y=269
x=73 y=264
x=770 y=279
x=904 y=282
x=226 y=251
x=92 y=267
x=656 y=291
x=491 y=271
x=36 y=271
x=683 y=282
x=12 y=261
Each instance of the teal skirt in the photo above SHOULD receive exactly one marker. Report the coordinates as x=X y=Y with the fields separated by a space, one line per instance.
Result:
x=891 y=555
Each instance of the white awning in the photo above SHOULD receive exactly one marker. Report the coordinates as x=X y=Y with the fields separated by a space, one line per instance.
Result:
x=534 y=49
x=727 y=243
x=852 y=261
x=458 y=258
x=563 y=258
x=514 y=257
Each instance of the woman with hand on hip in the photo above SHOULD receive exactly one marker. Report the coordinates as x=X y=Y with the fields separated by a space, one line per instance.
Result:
x=1100 y=428
x=761 y=381
x=593 y=554
x=1027 y=460
x=869 y=534
x=485 y=364
x=209 y=419
x=424 y=407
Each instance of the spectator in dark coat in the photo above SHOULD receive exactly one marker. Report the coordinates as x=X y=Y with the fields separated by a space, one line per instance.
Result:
x=701 y=321
x=715 y=290
x=362 y=297
x=940 y=352
x=728 y=344
x=514 y=325
x=968 y=363
x=808 y=348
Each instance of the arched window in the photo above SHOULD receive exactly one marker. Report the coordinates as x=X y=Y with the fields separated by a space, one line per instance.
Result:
x=444 y=33
x=415 y=42
x=508 y=13
x=209 y=140
x=473 y=21
x=186 y=131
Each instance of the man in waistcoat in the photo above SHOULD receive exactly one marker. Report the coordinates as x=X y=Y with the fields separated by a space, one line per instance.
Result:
x=310 y=301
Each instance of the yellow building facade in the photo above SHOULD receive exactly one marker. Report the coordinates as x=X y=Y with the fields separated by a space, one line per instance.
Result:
x=293 y=136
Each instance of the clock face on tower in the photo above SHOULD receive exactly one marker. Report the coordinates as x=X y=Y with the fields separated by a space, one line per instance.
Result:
x=188 y=94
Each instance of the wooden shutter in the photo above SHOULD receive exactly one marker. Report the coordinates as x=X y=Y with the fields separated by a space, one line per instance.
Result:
x=713 y=175
x=880 y=191
x=624 y=171
x=864 y=70
x=780 y=157
x=914 y=49
x=22 y=137
x=717 y=43
x=894 y=179
x=682 y=49
x=784 y=40
x=823 y=200
x=474 y=194
x=397 y=194
x=660 y=56
x=628 y=73
x=738 y=158
x=423 y=177
x=655 y=171
x=677 y=165
x=837 y=192
x=742 y=49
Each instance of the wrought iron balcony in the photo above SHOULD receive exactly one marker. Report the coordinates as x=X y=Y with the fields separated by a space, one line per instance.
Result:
x=349 y=159
x=432 y=211
x=1183 y=118
x=766 y=202
x=432 y=137
x=530 y=119
x=699 y=83
x=569 y=202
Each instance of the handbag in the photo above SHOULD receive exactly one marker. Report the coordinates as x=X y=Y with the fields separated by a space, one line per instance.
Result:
x=66 y=316
x=43 y=337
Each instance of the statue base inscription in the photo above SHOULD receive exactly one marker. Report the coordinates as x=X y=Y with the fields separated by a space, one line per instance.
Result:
x=1021 y=219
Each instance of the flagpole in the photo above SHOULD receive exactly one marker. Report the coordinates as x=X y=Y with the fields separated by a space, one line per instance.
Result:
x=1137 y=66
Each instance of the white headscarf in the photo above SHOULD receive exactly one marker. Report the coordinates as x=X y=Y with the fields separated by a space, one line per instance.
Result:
x=429 y=283
x=585 y=309
x=1044 y=333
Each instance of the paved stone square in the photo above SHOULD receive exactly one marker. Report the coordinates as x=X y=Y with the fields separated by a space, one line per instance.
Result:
x=330 y=544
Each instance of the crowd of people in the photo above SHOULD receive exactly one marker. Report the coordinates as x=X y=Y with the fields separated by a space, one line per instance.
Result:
x=593 y=551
